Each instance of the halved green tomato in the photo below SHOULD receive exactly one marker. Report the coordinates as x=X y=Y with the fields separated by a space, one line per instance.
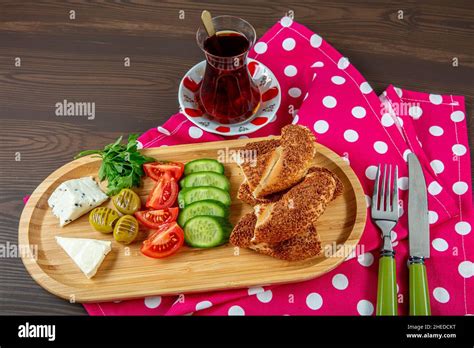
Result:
x=126 y=229
x=102 y=219
x=127 y=201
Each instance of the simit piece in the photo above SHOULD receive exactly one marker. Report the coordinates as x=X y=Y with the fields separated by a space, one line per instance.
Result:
x=280 y=163
x=300 y=247
x=297 y=209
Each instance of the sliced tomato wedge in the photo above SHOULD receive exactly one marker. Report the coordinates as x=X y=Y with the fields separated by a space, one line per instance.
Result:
x=163 y=242
x=164 y=193
x=155 y=170
x=153 y=219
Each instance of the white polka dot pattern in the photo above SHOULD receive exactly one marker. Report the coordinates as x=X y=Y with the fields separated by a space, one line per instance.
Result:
x=457 y=116
x=371 y=172
x=460 y=188
x=440 y=244
x=441 y=295
x=437 y=166
x=289 y=44
x=466 y=269
x=286 y=22
x=236 y=310
x=294 y=92
x=163 y=131
x=387 y=120
x=340 y=281
x=365 y=307
x=415 y=112
x=321 y=127
x=459 y=149
x=351 y=135
x=260 y=47
x=463 y=228
x=265 y=296
x=316 y=40
x=195 y=132
x=365 y=88
x=338 y=80
x=203 y=305
x=314 y=301
x=329 y=102
x=152 y=302
x=434 y=188
x=380 y=147
x=343 y=63
x=436 y=99
x=366 y=259
x=358 y=112
x=290 y=71
x=436 y=131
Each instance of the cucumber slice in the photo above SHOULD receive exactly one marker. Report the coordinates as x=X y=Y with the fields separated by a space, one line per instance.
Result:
x=205 y=179
x=203 y=165
x=206 y=231
x=199 y=208
x=193 y=194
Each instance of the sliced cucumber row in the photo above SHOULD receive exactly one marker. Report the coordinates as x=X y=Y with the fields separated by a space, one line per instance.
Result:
x=205 y=179
x=203 y=165
x=199 y=208
x=194 y=194
x=204 y=200
x=206 y=231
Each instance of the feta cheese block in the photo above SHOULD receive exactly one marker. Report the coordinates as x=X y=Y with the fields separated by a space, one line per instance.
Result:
x=87 y=254
x=74 y=198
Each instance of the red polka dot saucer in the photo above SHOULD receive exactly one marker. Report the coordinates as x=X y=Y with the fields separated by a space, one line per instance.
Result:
x=263 y=77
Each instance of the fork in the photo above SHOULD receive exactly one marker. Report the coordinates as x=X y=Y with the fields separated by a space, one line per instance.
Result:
x=384 y=214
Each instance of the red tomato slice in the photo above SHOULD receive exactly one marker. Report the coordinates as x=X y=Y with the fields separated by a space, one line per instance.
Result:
x=153 y=219
x=163 y=242
x=155 y=170
x=164 y=193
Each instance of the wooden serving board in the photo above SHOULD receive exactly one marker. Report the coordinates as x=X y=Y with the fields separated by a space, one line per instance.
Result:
x=126 y=274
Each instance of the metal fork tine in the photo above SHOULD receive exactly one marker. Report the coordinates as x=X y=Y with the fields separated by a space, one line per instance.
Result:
x=395 y=192
x=375 y=195
x=382 y=197
x=389 y=189
x=385 y=195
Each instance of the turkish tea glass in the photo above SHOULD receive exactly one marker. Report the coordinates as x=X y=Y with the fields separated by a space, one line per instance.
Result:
x=227 y=92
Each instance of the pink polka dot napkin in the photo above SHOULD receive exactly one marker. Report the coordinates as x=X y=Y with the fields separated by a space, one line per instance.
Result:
x=334 y=100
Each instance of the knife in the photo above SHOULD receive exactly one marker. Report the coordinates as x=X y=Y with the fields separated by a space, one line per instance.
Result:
x=419 y=238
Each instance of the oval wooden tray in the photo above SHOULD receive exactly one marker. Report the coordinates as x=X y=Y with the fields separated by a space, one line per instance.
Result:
x=126 y=274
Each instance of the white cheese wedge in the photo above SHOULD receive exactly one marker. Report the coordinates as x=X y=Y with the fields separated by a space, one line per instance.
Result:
x=74 y=198
x=87 y=254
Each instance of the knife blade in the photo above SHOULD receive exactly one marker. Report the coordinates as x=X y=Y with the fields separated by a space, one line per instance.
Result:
x=418 y=222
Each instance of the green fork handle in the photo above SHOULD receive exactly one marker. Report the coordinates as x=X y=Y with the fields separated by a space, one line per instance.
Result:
x=387 y=285
x=418 y=281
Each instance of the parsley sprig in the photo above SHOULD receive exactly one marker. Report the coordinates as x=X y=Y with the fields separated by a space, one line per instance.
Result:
x=122 y=164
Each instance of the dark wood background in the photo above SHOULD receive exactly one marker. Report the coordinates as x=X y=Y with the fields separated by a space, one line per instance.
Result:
x=83 y=60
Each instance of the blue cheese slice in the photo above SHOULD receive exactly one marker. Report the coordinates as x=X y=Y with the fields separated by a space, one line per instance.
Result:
x=87 y=254
x=74 y=198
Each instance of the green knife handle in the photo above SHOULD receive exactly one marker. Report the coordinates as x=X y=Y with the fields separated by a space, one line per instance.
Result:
x=419 y=293
x=387 y=285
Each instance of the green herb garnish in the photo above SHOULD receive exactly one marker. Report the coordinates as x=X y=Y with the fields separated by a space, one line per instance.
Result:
x=121 y=164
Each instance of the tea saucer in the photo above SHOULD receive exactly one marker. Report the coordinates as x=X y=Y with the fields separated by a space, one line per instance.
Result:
x=262 y=76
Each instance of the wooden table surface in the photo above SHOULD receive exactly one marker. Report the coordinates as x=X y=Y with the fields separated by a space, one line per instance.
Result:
x=82 y=59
